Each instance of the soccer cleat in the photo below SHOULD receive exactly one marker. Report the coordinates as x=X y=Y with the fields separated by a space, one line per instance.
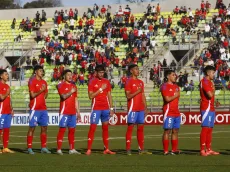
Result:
x=7 y=150
x=59 y=152
x=144 y=152
x=203 y=153
x=177 y=152
x=45 y=150
x=211 y=152
x=30 y=151
x=166 y=153
x=107 y=151
x=73 y=151
x=88 y=152
x=128 y=152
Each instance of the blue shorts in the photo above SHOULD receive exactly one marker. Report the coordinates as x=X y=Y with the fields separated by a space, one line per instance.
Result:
x=38 y=117
x=104 y=115
x=5 y=121
x=172 y=122
x=68 y=121
x=136 y=117
x=208 y=119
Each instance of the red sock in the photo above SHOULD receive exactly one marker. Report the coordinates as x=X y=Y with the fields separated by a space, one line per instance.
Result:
x=92 y=130
x=140 y=136
x=29 y=141
x=105 y=136
x=174 y=145
x=43 y=138
x=0 y=134
x=166 y=145
x=71 y=135
x=60 y=136
x=129 y=136
x=209 y=139
x=6 y=134
x=203 y=138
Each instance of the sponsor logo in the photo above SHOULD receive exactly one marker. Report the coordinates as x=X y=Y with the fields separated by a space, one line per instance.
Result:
x=113 y=120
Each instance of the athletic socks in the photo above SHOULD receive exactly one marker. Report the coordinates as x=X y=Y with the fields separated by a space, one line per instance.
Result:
x=71 y=138
x=43 y=138
x=105 y=136
x=92 y=130
x=129 y=136
x=165 y=145
x=140 y=136
x=60 y=136
x=209 y=139
x=6 y=134
x=174 y=145
x=203 y=138
x=29 y=141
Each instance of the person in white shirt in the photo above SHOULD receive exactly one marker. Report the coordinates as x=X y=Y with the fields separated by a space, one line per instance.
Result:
x=222 y=50
x=206 y=30
x=227 y=56
x=154 y=11
x=71 y=24
x=190 y=14
x=140 y=32
x=45 y=34
x=228 y=13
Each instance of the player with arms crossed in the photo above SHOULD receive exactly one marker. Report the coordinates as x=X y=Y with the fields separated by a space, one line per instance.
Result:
x=38 y=112
x=99 y=90
x=137 y=109
x=172 y=119
x=69 y=112
x=6 y=110
x=207 y=109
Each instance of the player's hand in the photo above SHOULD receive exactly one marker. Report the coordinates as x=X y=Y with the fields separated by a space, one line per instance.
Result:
x=139 y=90
x=73 y=90
x=43 y=88
x=104 y=86
x=12 y=112
x=177 y=94
x=78 y=117
x=111 y=113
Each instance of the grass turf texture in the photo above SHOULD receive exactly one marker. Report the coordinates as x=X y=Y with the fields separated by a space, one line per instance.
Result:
x=189 y=160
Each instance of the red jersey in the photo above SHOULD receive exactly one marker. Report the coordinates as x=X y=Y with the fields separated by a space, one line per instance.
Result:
x=136 y=103
x=170 y=108
x=81 y=77
x=206 y=104
x=5 y=105
x=39 y=102
x=101 y=101
x=67 y=106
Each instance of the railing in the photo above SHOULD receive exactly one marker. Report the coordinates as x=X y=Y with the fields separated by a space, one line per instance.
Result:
x=22 y=59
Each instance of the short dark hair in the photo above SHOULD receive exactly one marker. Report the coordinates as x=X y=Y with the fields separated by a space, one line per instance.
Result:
x=166 y=73
x=99 y=68
x=2 y=71
x=132 y=66
x=65 y=72
x=37 y=67
x=208 y=68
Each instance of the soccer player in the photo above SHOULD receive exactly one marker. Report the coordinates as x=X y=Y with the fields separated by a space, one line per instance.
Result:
x=137 y=109
x=6 y=110
x=172 y=119
x=99 y=91
x=38 y=112
x=207 y=109
x=69 y=111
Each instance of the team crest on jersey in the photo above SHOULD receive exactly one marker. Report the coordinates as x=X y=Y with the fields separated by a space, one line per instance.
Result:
x=66 y=89
x=170 y=90
x=37 y=85
x=134 y=85
x=96 y=86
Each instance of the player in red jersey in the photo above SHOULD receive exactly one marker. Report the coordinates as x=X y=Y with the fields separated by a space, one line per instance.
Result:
x=99 y=91
x=172 y=119
x=137 y=109
x=38 y=112
x=69 y=111
x=6 y=110
x=207 y=110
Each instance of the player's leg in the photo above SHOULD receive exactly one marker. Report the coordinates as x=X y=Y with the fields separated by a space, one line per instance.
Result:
x=132 y=118
x=204 y=132
x=174 y=139
x=43 y=122
x=72 y=122
x=62 y=128
x=6 y=133
x=167 y=126
x=209 y=151
x=34 y=115
x=105 y=131
x=94 y=119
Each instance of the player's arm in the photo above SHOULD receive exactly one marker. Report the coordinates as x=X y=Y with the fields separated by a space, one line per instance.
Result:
x=67 y=95
x=130 y=95
x=208 y=90
x=4 y=96
x=77 y=109
x=171 y=98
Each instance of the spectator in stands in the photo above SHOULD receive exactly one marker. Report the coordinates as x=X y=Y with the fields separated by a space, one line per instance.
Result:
x=187 y=87
x=103 y=11
x=207 y=30
x=37 y=16
x=43 y=16
x=123 y=80
x=34 y=62
x=81 y=79
x=176 y=10
x=192 y=85
x=28 y=61
x=13 y=24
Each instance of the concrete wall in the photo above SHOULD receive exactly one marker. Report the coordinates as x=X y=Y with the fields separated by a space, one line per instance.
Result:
x=166 y=5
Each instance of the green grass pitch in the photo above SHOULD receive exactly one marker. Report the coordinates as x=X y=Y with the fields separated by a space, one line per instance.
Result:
x=188 y=161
